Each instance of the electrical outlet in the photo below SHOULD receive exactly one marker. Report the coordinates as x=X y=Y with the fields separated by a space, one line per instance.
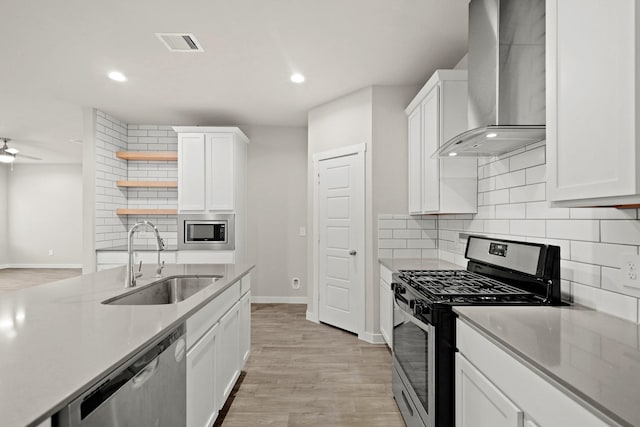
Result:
x=629 y=269
x=295 y=283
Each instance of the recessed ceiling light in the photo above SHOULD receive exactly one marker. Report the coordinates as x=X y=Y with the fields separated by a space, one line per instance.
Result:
x=117 y=76
x=297 y=78
x=492 y=135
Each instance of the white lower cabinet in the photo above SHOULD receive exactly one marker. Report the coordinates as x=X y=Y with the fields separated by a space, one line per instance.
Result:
x=245 y=328
x=386 y=306
x=202 y=407
x=495 y=389
x=479 y=403
x=216 y=338
x=228 y=360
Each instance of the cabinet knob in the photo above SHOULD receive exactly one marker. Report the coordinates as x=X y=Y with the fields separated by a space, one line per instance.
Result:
x=352 y=252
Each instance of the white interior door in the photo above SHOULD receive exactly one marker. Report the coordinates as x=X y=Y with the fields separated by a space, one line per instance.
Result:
x=340 y=209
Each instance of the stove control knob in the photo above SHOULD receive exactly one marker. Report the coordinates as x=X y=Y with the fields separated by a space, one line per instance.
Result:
x=398 y=288
x=418 y=307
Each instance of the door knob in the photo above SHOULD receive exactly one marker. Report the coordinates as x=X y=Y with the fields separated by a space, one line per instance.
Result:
x=352 y=252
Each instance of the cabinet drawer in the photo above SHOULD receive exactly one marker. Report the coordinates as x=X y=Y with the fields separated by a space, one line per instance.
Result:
x=206 y=257
x=245 y=284
x=199 y=323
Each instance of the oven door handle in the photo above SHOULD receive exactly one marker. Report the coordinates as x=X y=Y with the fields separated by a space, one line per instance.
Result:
x=420 y=324
x=399 y=297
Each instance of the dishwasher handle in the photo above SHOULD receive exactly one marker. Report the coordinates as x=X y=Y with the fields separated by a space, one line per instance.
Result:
x=144 y=375
x=138 y=371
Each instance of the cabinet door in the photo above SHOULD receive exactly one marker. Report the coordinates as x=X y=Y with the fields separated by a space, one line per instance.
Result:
x=202 y=407
x=592 y=149
x=191 y=173
x=385 y=312
x=220 y=172
x=228 y=360
x=415 y=161
x=479 y=403
x=245 y=328
x=431 y=143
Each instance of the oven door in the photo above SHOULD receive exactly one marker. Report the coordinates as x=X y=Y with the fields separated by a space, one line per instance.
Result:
x=414 y=358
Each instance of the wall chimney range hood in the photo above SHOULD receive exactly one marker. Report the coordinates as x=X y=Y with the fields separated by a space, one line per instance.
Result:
x=506 y=78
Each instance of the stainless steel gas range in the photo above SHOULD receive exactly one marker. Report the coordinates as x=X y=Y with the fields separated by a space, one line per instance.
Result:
x=499 y=272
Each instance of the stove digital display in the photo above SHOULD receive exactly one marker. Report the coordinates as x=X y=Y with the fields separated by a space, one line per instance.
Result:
x=498 y=249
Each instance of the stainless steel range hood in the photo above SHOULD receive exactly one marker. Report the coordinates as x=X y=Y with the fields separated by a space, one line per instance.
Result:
x=506 y=78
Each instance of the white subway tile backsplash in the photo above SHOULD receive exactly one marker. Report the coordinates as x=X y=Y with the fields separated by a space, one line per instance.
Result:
x=577 y=272
x=603 y=213
x=407 y=253
x=613 y=303
x=385 y=234
x=392 y=243
x=528 y=159
x=497 y=197
x=528 y=227
x=421 y=223
x=600 y=253
x=497 y=168
x=574 y=229
x=542 y=210
x=515 y=210
x=422 y=244
x=508 y=180
x=527 y=193
x=625 y=232
x=536 y=174
x=488 y=184
x=407 y=234
x=392 y=223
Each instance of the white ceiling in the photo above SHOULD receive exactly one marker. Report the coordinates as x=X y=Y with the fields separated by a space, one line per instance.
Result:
x=54 y=56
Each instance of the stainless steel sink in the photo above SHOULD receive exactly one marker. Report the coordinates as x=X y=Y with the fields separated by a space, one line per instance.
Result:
x=167 y=291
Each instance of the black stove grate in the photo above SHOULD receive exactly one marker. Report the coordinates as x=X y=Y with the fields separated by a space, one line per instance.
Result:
x=460 y=283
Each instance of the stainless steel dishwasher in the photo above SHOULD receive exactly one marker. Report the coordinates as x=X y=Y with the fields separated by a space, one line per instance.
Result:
x=149 y=390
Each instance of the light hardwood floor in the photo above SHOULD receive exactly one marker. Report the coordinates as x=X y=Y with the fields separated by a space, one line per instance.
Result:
x=12 y=279
x=304 y=374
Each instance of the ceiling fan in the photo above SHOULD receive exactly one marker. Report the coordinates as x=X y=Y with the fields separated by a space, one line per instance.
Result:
x=8 y=155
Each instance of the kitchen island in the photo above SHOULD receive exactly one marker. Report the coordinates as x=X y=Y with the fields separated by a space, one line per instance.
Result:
x=58 y=339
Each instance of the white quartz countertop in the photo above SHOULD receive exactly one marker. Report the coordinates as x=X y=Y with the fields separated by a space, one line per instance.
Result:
x=57 y=339
x=395 y=264
x=594 y=356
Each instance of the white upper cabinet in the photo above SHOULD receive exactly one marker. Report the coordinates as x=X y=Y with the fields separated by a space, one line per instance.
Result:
x=436 y=114
x=592 y=102
x=209 y=162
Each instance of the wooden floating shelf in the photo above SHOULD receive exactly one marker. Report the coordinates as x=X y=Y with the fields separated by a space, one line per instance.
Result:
x=147 y=184
x=148 y=155
x=146 y=211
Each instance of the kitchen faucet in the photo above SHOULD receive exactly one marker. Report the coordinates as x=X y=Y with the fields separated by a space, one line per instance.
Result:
x=130 y=280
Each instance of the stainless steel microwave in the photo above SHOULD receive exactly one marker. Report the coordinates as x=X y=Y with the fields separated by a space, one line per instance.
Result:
x=206 y=231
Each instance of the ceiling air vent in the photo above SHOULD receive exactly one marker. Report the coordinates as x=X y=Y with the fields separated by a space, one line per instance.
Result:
x=180 y=42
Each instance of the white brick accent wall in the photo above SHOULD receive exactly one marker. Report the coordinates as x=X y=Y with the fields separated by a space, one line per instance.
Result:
x=153 y=138
x=111 y=136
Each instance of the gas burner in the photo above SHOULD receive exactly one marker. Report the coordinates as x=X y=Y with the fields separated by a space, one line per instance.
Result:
x=462 y=286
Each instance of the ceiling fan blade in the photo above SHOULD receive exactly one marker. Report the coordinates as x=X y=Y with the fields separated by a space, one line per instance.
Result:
x=29 y=157
x=12 y=150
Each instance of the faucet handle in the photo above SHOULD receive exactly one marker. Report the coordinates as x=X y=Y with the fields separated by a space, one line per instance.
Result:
x=140 y=266
x=159 y=269
x=139 y=273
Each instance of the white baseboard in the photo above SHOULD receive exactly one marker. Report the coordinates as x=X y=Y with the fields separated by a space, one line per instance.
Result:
x=278 y=300
x=312 y=317
x=4 y=266
x=372 y=338
x=43 y=266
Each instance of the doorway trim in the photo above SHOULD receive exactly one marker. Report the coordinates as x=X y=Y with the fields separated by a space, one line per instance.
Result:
x=359 y=151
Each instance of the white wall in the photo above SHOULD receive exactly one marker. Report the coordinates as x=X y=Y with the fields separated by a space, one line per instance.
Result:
x=276 y=209
x=45 y=212
x=4 y=236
